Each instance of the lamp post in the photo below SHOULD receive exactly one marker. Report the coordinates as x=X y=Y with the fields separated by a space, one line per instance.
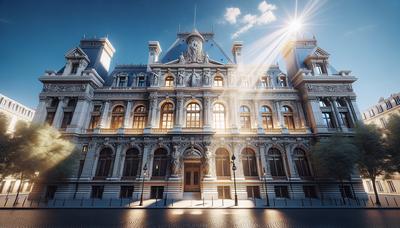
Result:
x=266 y=190
x=144 y=176
x=234 y=178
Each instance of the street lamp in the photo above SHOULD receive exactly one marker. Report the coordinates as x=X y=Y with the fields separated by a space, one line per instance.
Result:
x=266 y=190
x=144 y=176
x=234 y=178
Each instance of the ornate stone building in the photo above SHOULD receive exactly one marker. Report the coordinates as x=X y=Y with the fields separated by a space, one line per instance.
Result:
x=379 y=115
x=178 y=121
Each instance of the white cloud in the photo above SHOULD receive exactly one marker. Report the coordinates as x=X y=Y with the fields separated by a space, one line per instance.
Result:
x=231 y=14
x=264 y=6
x=248 y=21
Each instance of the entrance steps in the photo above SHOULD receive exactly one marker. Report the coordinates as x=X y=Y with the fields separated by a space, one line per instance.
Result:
x=191 y=195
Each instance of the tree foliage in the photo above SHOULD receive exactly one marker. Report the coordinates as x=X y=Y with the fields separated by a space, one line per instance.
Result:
x=31 y=149
x=393 y=141
x=334 y=157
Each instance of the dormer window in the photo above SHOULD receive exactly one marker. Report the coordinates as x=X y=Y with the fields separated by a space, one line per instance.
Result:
x=141 y=82
x=122 y=81
x=74 y=68
x=265 y=82
x=371 y=113
x=319 y=69
x=282 y=81
x=169 y=81
x=388 y=104
x=218 y=81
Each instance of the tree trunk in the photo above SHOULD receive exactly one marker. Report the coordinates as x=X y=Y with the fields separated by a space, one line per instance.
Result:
x=19 y=189
x=377 y=201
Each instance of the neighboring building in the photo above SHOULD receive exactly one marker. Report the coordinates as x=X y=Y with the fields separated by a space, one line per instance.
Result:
x=379 y=115
x=185 y=113
x=14 y=112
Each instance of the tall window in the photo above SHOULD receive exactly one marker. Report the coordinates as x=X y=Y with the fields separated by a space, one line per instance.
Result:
x=167 y=116
x=245 y=122
x=193 y=115
x=222 y=164
x=302 y=165
x=249 y=163
x=122 y=81
x=265 y=82
x=169 y=81
x=105 y=163
x=160 y=162
x=218 y=81
x=319 y=69
x=345 y=119
x=117 y=117
x=219 y=116
x=327 y=117
x=288 y=117
x=74 y=68
x=141 y=81
x=139 y=117
x=95 y=118
x=132 y=162
x=266 y=115
x=388 y=104
x=276 y=163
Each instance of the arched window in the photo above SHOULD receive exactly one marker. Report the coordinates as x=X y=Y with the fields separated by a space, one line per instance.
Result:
x=249 y=163
x=288 y=117
x=266 y=116
x=282 y=81
x=245 y=122
x=193 y=116
x=139 y=117
x=169 y=81
x=276 y=163
x=219 y=116
x=117 y=117
x=167 y=116
x=222 y=164
x=302 y=165
x=105 y=163
x=218 y=81
x=160 y=163
x=132 y=162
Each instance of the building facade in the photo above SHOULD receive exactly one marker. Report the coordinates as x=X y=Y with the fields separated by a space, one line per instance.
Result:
x=379 y=115
x=177 y=124
x=14 y=112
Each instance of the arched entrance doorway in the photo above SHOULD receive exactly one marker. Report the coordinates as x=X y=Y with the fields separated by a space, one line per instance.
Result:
x=192 y=170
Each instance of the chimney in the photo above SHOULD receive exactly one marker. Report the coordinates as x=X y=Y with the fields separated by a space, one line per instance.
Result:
x=154 y=51
x=237 y=51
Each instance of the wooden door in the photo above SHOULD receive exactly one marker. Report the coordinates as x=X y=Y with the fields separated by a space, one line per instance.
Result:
x=192 y=178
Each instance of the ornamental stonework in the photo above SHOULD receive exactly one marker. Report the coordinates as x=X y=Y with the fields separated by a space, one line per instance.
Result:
x=329 y=88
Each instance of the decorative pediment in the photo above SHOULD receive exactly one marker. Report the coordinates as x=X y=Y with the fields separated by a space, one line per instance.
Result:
x=192 y=153
x=319 y=53
x=76 y=53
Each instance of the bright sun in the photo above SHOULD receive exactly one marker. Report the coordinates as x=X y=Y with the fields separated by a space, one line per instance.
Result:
x=295 y=25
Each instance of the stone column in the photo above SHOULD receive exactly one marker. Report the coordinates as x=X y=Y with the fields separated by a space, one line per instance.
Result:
x=127 y=117
x=151 y=123
x=335 y=112
x=207 y=114
x=80 y=113
x=59 y=112
x=292 y=168
x=280 y=117
x=234 y=111
x=104 y=115
x=302 y=119
x=315 y=111
x=117 y=162
x=90 y=158
x=178 y=113
x=354 y=108
x=146 y=161
x=260 y=129
x=40 y=113
x=349 y=109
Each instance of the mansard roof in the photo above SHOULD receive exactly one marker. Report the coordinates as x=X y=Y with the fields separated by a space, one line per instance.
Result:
x=130 y=70
x=210 y=47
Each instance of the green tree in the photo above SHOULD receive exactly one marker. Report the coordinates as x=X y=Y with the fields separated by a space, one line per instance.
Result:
x=373 y=158
x=32 y=149
x=393 y=141
x=334 y=157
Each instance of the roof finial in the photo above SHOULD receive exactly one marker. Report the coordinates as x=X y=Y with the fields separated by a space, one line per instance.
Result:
x=194 y=16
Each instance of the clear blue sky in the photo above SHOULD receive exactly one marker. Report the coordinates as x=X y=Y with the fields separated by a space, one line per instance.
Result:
x=361 y=35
